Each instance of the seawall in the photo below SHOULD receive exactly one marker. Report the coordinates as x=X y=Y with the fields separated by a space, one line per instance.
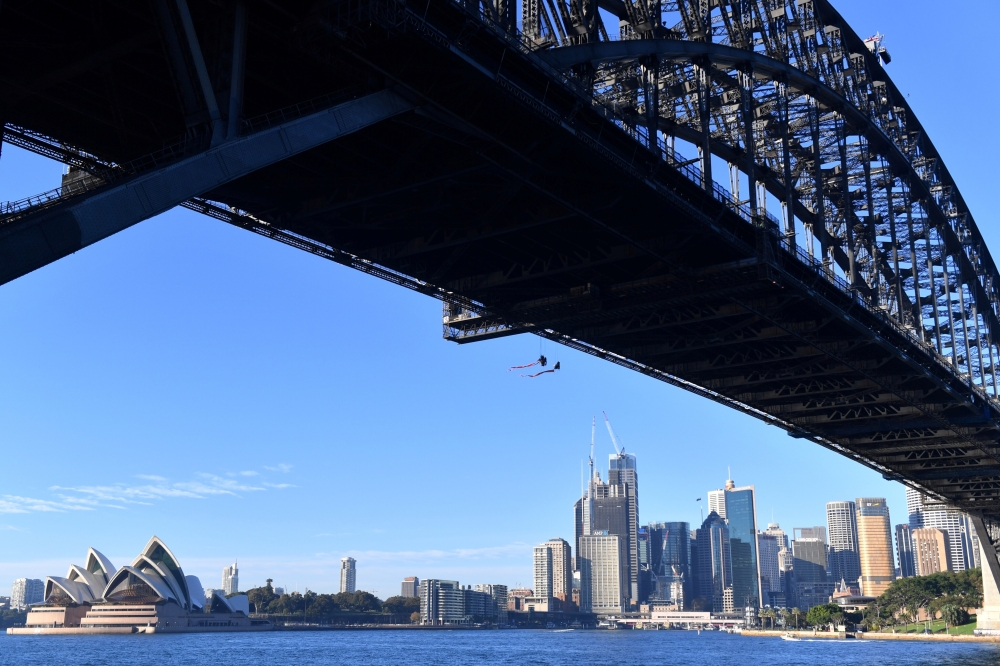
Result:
x=872 y=636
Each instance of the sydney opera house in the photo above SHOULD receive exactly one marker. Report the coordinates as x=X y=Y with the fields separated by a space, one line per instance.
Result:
x=152 y=595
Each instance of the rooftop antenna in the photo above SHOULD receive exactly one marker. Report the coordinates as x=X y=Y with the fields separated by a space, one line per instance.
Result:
x=614 y=440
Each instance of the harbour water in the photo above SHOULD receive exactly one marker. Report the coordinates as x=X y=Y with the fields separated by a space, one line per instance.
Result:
x=476 y=648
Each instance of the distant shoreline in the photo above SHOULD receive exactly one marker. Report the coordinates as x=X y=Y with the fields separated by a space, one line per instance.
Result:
x=867 y=636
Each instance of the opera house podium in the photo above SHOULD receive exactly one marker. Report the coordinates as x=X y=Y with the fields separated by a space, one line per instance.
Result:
x=152 y=595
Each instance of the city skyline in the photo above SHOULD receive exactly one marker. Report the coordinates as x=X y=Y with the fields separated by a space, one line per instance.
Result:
x=109 y=297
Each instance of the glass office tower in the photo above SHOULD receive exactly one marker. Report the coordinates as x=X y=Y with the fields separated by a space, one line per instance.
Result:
x=670 y=559
x=741 y=515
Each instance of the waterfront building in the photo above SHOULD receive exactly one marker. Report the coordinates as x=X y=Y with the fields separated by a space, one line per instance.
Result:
x=562 y=570
x=498 y=593
x=441 y=602
x=904 y=551
x=542 y=560
x=602 y=576
x=516 y=597
x=956 y=525
x=844 y=559
x=152 y=595
x=553 y=572
x=878 y=568
x=741 y=516
x=348 y=574
x=231 y=579
x=714 y=565
x=930 y=551
x=25 y=592
x=410 y=587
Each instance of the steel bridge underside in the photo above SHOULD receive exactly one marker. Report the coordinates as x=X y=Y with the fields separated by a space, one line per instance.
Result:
x=496 y=182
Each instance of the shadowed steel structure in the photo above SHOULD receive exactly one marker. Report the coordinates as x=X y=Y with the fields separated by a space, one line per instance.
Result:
x=524 y=166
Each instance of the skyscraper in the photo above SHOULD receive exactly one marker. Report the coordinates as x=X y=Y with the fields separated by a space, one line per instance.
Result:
x=930 y=550
x=231 y=579
x=602 y=579
x=817 y=532
x=717 y=502
x=670 y=559
x=845 y=560
x=875 y=545
x=741 y=515
x=715 y=564
x=775 y=530
x=562 y=570
x=904 y=551
x=957 y=526
x=770 y=576
x=347 y=574
x=410 y=587
x=26 y=591
x=645 y=571
x=809 y=570
x=542 y=557
x=622 y=472
x=809 y=560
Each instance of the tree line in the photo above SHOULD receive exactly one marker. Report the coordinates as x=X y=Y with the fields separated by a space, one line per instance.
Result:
x=947 y=593
x=312 y=604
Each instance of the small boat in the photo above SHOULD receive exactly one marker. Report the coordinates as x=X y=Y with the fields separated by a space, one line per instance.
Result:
x=789 y=637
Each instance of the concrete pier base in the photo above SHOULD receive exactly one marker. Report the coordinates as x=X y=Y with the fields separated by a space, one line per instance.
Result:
x=988 y=620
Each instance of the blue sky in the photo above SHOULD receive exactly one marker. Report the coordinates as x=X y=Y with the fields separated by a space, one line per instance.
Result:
x=242 y=399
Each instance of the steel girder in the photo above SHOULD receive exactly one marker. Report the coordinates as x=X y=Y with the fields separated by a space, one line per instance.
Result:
x=792 y=98
x=40 y=234
x=847 y=274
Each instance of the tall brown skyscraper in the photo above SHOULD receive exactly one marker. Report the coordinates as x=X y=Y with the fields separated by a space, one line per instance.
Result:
x=562 y=570
x=878 y=566
x=930 y=551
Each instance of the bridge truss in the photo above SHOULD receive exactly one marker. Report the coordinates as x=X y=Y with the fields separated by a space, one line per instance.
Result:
x=524 y=165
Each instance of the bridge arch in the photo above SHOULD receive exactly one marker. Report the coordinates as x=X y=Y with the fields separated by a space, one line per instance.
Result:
x=877 y=209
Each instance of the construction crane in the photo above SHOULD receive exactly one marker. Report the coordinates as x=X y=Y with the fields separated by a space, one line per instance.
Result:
x=614 y=439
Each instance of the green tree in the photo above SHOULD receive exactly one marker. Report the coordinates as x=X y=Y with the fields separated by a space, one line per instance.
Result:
x=953 y=615
x=9 y=618
x=401 y=605
x=819 y=616
x=796 y=614
x=768 y=614
x=260 y=597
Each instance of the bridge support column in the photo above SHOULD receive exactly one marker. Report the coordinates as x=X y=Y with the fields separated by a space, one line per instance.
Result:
x=989 y=615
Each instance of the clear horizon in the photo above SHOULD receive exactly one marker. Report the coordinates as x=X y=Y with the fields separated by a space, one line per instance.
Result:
x=247 y=401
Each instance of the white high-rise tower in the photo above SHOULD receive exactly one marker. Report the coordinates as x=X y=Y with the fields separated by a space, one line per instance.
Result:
x=347 y=574
x=231 y=579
